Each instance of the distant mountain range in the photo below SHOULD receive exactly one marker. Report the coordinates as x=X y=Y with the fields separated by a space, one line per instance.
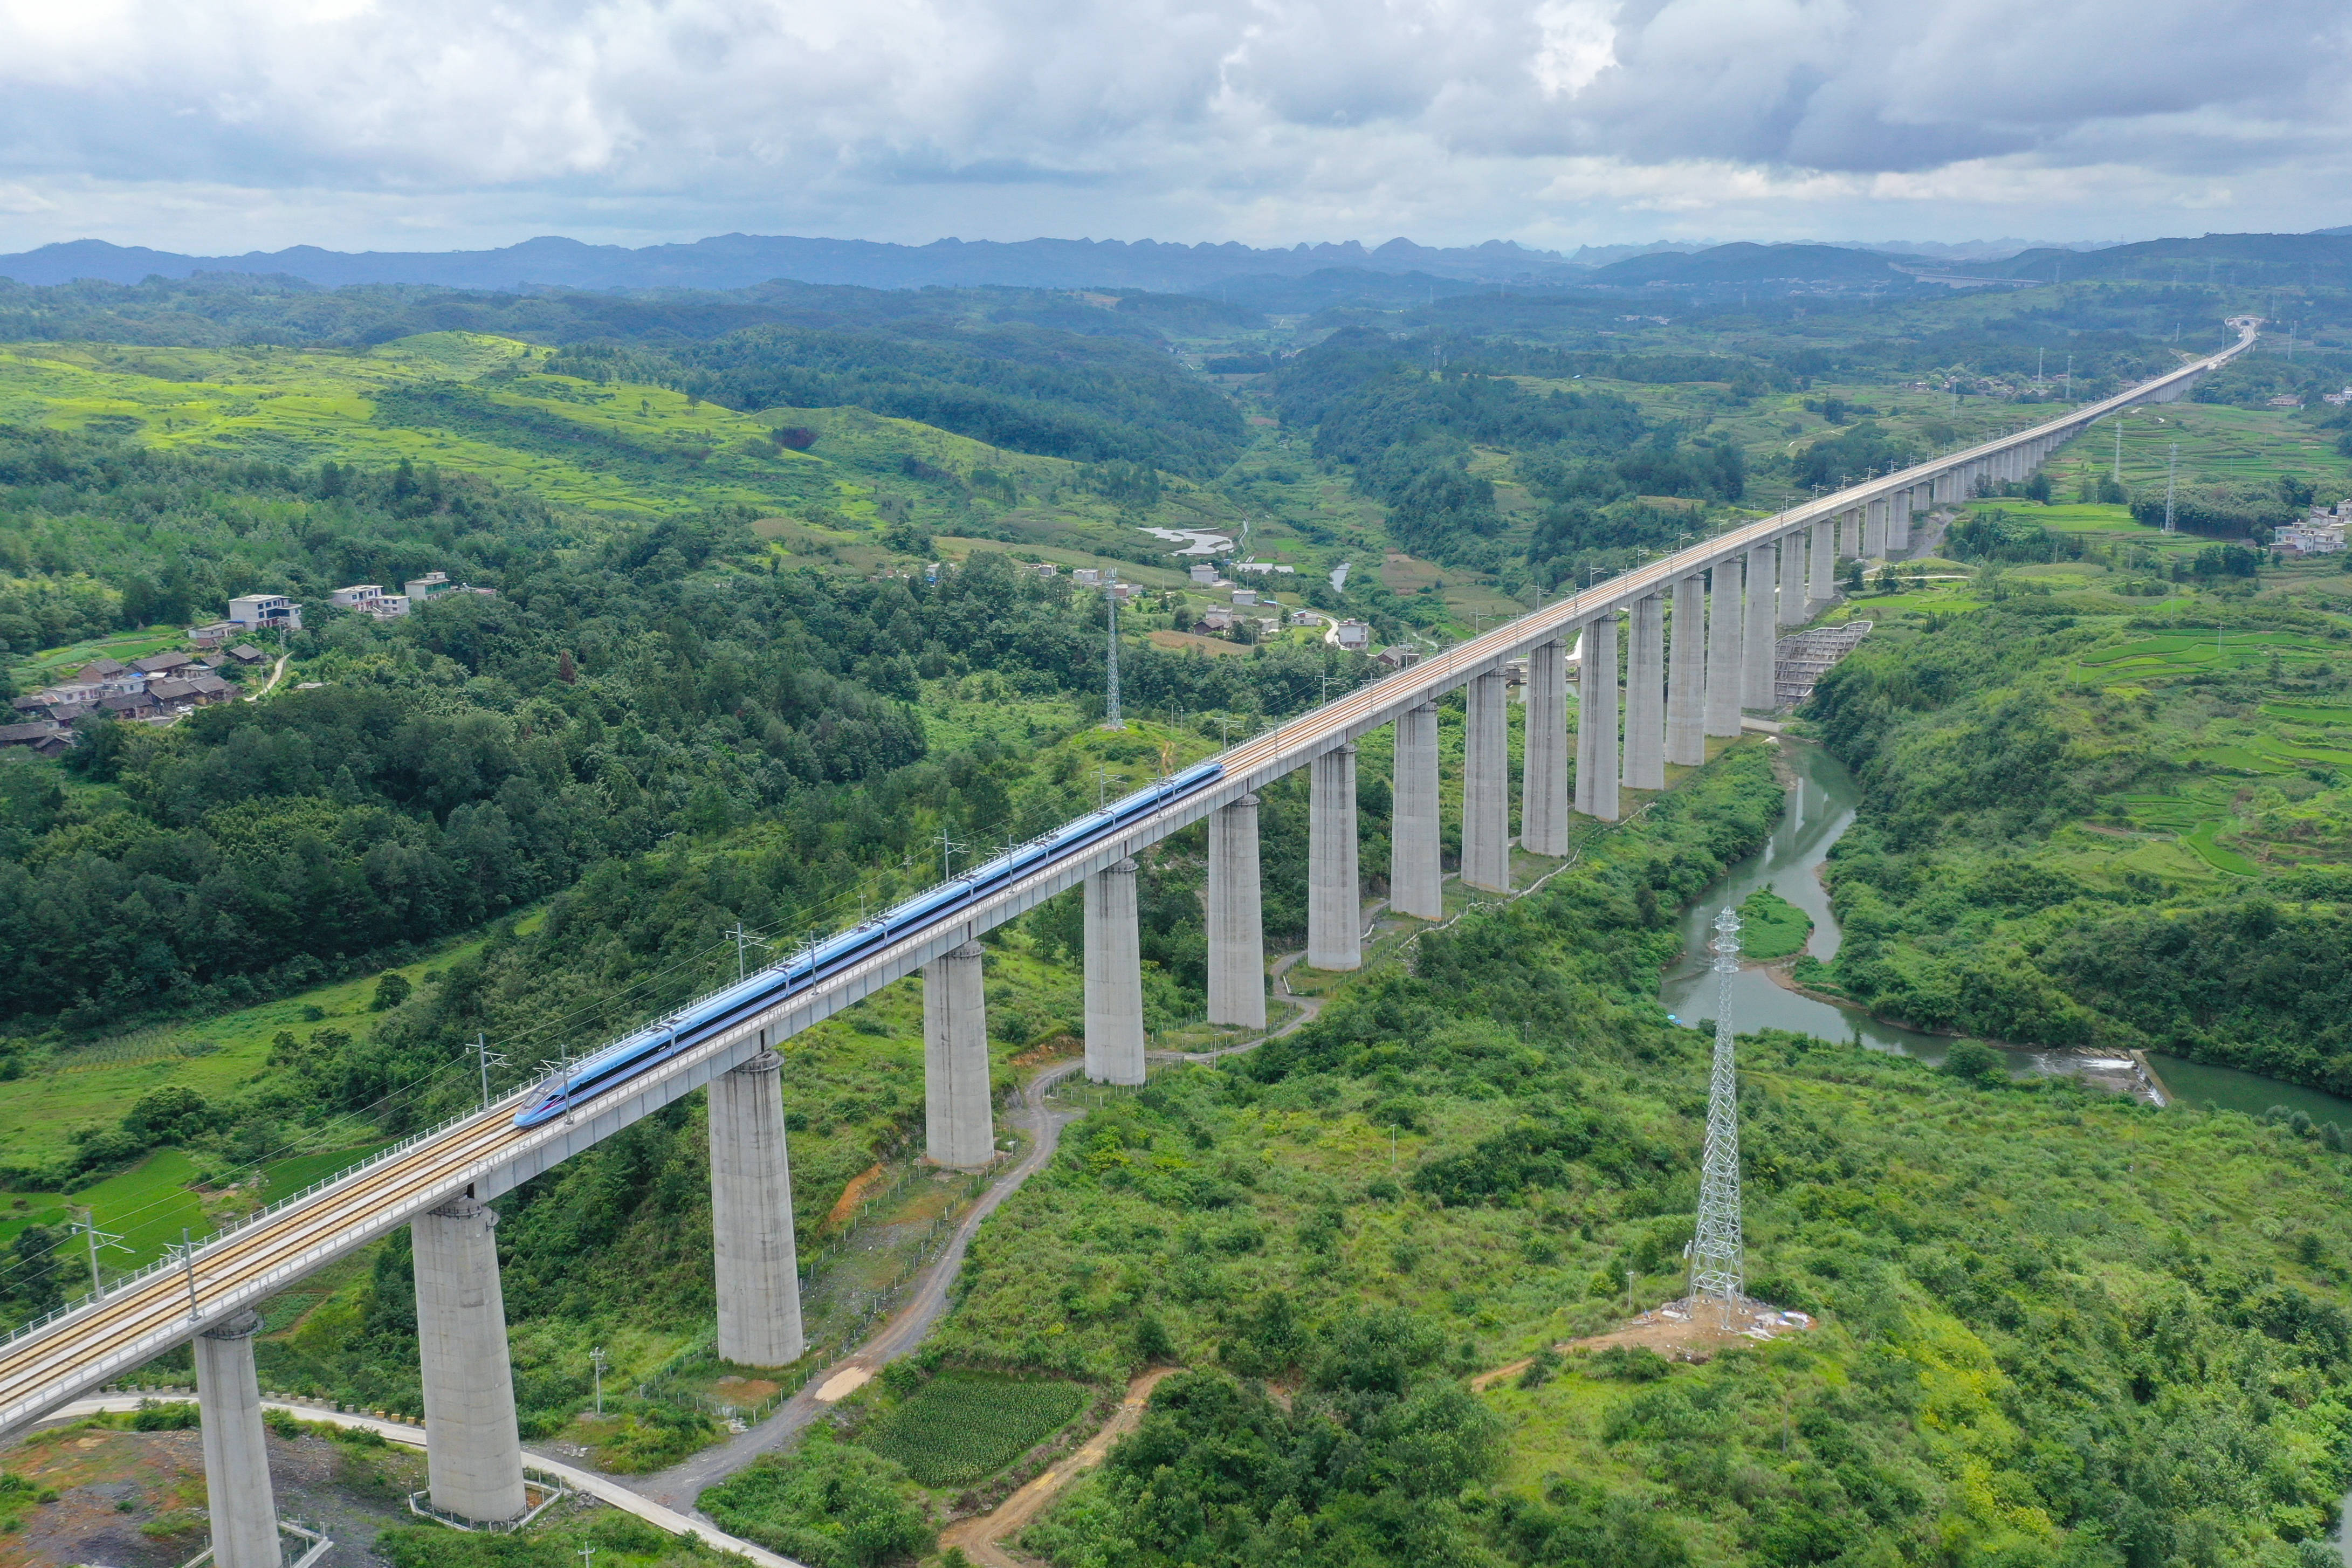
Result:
x=1399 y=268
x=740 y=260
x=2235 y=259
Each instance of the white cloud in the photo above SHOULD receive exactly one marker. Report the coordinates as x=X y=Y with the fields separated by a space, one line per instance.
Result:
x=347 y=122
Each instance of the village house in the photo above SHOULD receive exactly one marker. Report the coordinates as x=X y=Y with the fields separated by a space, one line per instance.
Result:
x=42 y=738
x=261 y=611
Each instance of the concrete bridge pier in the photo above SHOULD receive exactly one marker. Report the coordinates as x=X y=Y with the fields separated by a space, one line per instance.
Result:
x=1873 y=529
x=1823 y=587
x=1723 y=644
x=1416 y=868
x=1687 y=676
x=1486 y=782
x=1792 y=579
x=1596 y=720
x=1645 y=696
x=755 y=1254
x=237 y=1495
x=1543 y=762
x=1335 y=904
x=473 y=1453
x=1236 y=918
x=1114 y=977
x=1899 y=520
x=1757 y=621
x=958 y=1113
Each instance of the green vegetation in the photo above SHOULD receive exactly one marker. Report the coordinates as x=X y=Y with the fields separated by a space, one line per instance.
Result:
x=620 y=1541
x=2055 y=1327
x=961 y=1426
x=1771 y=927
x=717 y=685
x=2084 y=825
x=829 y=1504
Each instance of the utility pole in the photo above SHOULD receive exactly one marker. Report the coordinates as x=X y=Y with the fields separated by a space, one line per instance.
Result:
x=1111 y=720
x=487 y=1058
x=188 y=1261
x=1717 y=1261
x=88 y=1227
x=596 y=1358
x=2171 y=475
x=744 y=939
x=948 y=847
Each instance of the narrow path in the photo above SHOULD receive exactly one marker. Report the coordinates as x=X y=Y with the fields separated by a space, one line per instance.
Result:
x=678 y=1486
x=276 y=674
x=981 y=1537
x=601 y=1488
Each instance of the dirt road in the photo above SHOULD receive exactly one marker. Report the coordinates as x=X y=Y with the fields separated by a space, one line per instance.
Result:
x=983 y=1538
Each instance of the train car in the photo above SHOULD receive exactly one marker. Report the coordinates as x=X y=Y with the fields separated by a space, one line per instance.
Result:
x=627 y=1057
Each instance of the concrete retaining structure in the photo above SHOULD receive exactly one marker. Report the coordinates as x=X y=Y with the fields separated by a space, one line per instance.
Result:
x=1543 y=756
x=473 y=1453
x=237 y=1495
x=1417 y=845
x=1486 y=782
x=756 y=1254
x=1335 y=902
x=1114 y=977
x=958 y=1113
x=1596 y=720
x=1687 y=676
x=1723 y=650
x=1761 y=633
x=1236 y=918
x=1645 y=696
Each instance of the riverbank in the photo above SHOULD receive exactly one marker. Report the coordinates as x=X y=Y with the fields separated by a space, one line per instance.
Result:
x=1822 y=801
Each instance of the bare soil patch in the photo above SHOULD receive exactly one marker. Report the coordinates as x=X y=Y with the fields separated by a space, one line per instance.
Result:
x=1677 y=1330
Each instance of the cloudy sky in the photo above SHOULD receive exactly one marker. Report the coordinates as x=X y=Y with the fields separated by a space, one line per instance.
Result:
x=221 y=126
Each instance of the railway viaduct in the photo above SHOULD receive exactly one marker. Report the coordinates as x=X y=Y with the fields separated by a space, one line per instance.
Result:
x=1725 y=600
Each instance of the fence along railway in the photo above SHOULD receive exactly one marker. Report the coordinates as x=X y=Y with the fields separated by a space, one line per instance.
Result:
x=1725 y=600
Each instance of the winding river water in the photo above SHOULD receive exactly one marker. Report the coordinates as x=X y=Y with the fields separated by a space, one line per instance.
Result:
x=1819 y=809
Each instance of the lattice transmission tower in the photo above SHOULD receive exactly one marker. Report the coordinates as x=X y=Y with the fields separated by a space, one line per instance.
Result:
x=1718 y=1263
x=1111 y=720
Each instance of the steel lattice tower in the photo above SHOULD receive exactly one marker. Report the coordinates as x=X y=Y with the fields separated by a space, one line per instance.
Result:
x=1111 y=720
x=1717 y=1260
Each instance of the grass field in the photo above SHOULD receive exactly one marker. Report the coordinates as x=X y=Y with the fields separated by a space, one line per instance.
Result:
x=963 y=1427
x=1772 y=927
x=477 y=403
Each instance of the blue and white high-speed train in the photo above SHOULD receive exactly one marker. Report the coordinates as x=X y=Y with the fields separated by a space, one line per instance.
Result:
x=617 y=1064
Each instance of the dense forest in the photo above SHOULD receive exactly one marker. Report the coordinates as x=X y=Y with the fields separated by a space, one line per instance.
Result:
x=488 y=750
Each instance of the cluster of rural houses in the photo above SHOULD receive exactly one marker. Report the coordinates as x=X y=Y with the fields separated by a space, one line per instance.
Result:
x=163 y=686
x=2321 y=533
x=155 y=689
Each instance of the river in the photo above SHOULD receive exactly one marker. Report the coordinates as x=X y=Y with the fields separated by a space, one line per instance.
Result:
x=1819 y=809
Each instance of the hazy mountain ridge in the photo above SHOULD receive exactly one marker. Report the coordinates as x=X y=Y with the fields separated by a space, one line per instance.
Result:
x=742 y=261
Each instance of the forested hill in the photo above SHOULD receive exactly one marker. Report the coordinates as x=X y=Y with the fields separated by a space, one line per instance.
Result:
x=1024 y=387
x=484 y=751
